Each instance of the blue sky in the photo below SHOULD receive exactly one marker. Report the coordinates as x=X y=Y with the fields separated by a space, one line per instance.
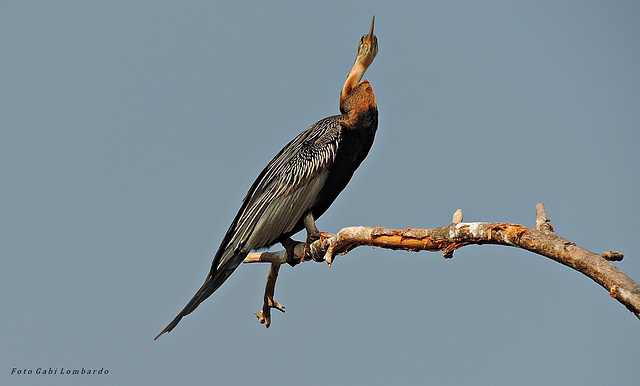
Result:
x=132 y=130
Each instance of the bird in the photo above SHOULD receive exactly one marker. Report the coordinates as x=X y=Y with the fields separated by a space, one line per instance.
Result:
x=300 y=183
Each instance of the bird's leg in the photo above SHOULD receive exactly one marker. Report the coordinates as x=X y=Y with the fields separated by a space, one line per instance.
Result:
x=290 y=246
x=313 y=234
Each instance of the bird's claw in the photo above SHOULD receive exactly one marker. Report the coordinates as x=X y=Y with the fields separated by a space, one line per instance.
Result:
x=311 y=255
x=315 y=252
x=264 y=316
x=307 y=254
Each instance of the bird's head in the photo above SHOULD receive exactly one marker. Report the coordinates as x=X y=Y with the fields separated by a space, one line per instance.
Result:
x=368 y=47
x=354 y=93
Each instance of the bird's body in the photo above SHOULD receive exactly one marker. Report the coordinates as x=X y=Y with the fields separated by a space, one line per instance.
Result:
x=301 y=181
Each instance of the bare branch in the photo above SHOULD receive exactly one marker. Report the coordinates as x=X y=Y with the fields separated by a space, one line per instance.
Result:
x=542 y=221
x=457 y=219
x=457 y=235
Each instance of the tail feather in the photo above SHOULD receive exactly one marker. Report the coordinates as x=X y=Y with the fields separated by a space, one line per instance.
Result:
x=211 y=284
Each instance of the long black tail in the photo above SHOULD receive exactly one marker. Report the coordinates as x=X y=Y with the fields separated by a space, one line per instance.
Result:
x=211 y=284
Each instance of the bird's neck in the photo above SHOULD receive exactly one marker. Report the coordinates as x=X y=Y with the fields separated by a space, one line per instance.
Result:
x=358 y=101
x=353 y=78
x=356 y=97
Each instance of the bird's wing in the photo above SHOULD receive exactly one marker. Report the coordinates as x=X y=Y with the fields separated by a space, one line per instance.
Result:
x=283 y=192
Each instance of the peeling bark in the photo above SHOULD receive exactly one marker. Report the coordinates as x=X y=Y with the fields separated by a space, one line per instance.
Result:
x=448 y=238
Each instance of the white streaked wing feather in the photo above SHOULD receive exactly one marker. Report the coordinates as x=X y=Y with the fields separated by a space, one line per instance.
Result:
x=286 y=189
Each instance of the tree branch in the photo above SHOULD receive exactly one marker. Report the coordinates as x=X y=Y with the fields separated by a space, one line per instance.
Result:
x=448 y=238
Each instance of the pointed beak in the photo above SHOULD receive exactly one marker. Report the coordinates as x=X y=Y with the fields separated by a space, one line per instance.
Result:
x=370 y=36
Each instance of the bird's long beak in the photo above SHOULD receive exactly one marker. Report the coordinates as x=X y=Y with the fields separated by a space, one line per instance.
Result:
x=370 y=36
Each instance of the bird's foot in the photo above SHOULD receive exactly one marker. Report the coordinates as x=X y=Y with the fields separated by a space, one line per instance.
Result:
x=310 y=252
x=264 y=315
